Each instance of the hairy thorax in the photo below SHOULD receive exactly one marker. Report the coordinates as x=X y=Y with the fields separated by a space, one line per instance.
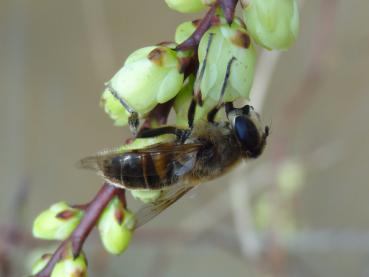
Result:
x=219 y=153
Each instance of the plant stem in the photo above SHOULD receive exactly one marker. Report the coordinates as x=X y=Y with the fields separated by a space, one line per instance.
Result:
x=205 y=23
x=78 y=237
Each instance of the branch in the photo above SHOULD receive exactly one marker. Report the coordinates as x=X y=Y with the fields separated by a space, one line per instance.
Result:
x=228 y=6
x=204 y=24
x=79 y=235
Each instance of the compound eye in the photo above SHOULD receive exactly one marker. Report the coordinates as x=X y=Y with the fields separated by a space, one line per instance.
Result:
x=247 y=133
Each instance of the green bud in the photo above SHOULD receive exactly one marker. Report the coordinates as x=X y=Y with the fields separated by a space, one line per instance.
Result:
x=188 y=6
x=182 y=103
x=115 y=226
x=227 y=42
x=114 y=109
x=146 y=196
x=40 y=263
x=69 y=267
x=140 y=143
x=274 y=24
x=184 y=31
x=57 y=222
x=150 y=76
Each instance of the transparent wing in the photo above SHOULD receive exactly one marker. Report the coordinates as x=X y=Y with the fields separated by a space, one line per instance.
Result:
x=161 y=154
x=170 y=196
x=154 y=167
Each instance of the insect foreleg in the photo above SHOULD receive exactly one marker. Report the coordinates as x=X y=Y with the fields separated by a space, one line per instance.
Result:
x=214 y=111
x=181 y=134
x=133 y=120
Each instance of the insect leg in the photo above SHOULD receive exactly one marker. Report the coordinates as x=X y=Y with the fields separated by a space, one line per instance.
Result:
x=229 y=107
x=214 y=111
x=200 y=73
x=181 y=134
x=191 y=113
x=197 y=91
x=133 y=120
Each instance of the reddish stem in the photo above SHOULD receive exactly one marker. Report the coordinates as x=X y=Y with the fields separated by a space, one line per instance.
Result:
x=202 y=27
x=229 y=7
x=89 y=220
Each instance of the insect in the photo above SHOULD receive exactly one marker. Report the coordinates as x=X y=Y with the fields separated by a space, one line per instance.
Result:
x=204 y=151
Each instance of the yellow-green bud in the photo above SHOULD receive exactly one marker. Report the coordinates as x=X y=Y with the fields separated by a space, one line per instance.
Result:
x=227 y=42
x=114 y=109
x=146 y=196
x=182 y=103
x=274 y=24
x=115 y=226
x=140 y=143
x=57 y=222
x=188 y=6
x=40 y=263
x=150 y=76
x=69 y=267
x=184 y=31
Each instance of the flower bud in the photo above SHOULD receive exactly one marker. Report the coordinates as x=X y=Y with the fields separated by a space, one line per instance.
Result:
x=140 y=143
x=115 y=226
x=184 y=31
x=150 y=76
x=188 y=6
x=70 y=267
x=146 y=196
x=227 y=42
x=58 y=222
x=274 y=24
x=182 y=103
x=40 y=263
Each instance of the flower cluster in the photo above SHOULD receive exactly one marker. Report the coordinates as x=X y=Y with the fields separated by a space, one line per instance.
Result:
x=153 y=80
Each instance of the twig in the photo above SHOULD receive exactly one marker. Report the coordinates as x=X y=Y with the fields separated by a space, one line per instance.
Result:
x=89 y=220
x=202 y=27
x=228 y=7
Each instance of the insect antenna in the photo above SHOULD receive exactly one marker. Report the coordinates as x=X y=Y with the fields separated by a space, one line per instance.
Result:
x=214 y=111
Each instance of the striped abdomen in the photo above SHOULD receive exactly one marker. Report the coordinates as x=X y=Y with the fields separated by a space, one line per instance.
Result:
x=137 y=170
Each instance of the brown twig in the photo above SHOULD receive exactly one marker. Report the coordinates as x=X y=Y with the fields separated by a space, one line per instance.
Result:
x=229 y=7
x=89 y=220
x=201 y=28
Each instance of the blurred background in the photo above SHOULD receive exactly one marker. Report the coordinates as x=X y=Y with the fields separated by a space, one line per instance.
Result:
x=300 y=210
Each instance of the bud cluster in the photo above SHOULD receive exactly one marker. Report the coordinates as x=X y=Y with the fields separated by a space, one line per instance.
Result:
x=158 y=74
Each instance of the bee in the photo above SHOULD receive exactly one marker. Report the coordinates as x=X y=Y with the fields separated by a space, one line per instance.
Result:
x=206 y=151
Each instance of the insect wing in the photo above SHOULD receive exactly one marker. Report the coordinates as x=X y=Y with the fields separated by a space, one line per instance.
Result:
x=153 y=167
x=151 y=210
